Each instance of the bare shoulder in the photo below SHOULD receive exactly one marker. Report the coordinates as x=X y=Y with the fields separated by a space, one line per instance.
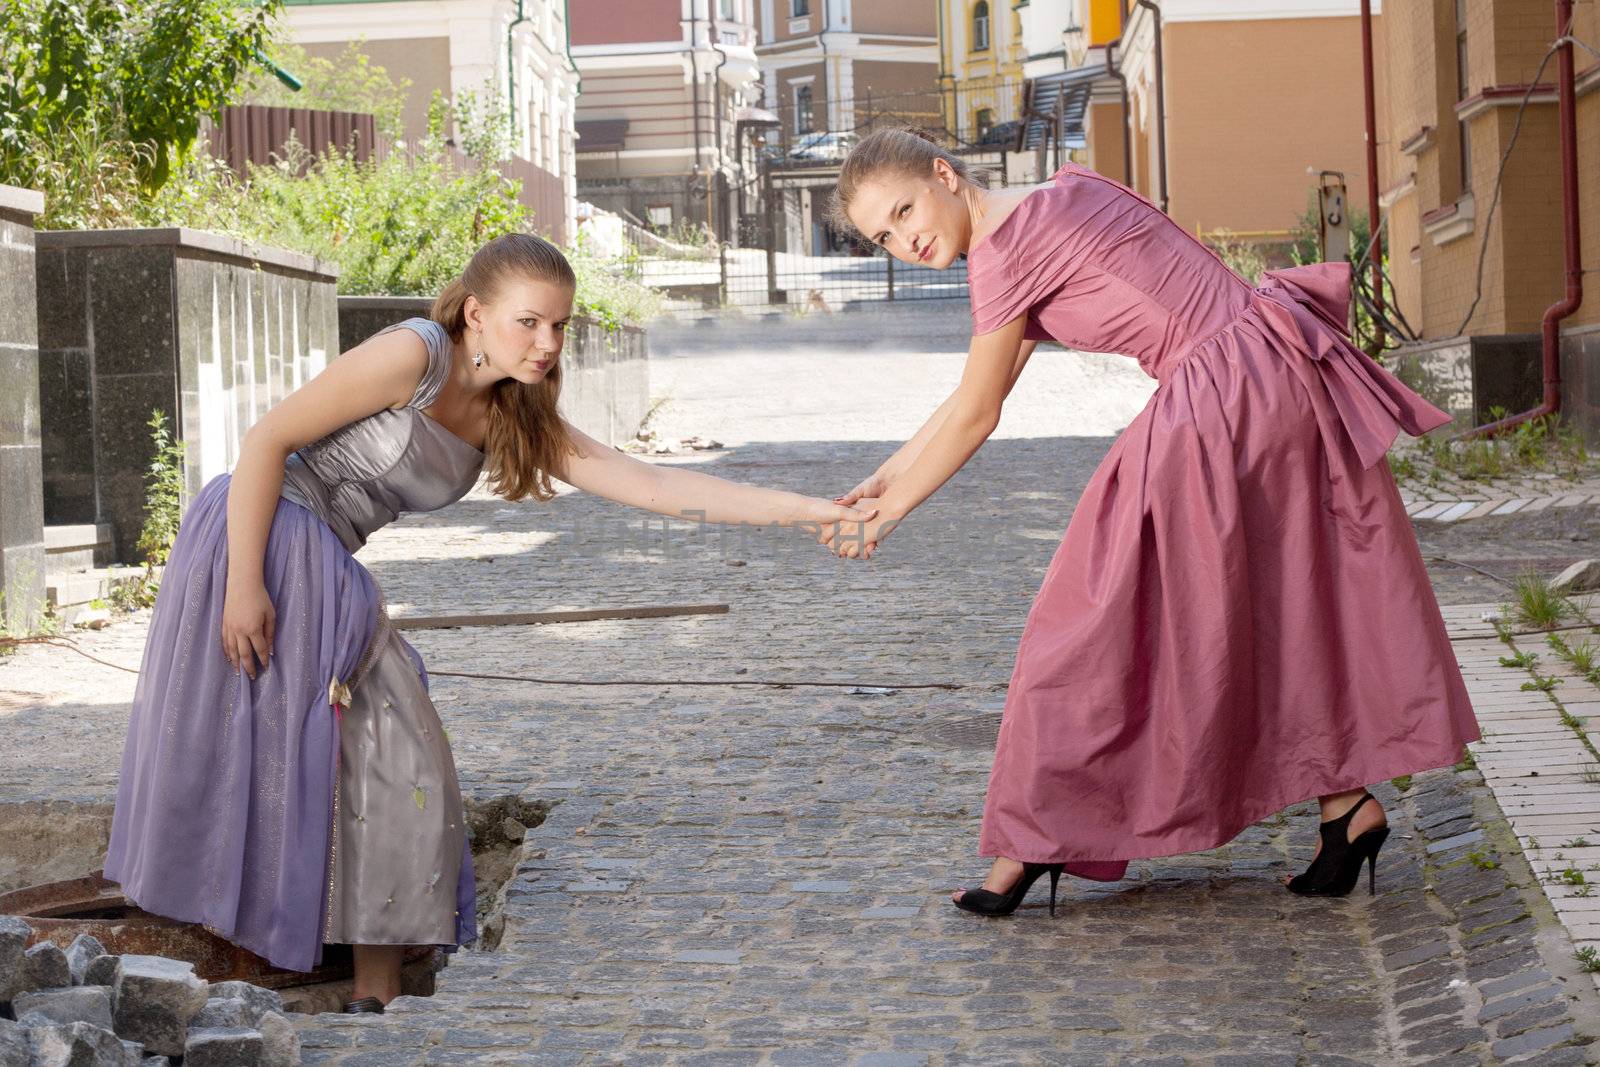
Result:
x=391 y=364
x=999 y=204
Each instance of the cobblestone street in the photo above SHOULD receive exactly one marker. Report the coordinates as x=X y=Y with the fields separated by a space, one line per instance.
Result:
x=757 y=874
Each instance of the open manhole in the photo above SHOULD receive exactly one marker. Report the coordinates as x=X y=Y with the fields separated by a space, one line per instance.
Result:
x=972 y=731
x=59 y=840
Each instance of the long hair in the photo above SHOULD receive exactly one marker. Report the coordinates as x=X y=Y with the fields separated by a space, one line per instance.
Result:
x=895 y=150
x=526 y=438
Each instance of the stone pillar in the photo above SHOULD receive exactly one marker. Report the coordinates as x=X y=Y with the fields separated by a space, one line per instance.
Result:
x=21 y=481
x=202 y=327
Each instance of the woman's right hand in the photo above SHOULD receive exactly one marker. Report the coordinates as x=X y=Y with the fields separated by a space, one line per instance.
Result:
x=248 y=623
x=874 y=486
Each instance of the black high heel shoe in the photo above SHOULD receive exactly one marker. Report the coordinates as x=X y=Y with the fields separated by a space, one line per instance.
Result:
x=1337 y=868
x=984 y=902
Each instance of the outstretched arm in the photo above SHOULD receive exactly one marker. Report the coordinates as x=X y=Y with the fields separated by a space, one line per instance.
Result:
x=907 y=453
x=687 y=494
x=971 y=415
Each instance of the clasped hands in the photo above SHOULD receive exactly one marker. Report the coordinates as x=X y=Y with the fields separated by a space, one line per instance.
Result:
x=853 y=539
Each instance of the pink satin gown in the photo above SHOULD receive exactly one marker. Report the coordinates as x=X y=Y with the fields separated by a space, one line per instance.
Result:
x=1238 y=617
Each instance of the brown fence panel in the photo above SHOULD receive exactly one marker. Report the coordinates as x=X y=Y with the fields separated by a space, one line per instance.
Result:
x=541 y=193
x=253 y=133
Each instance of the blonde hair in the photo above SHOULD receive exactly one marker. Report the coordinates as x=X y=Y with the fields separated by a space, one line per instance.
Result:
x=897 y=150
x=526 y=438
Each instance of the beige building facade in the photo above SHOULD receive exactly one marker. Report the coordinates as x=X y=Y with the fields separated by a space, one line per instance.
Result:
x=512 y=53
x=664 y=85
x=841 y=65
x=1460 y=71
x=1259 y=96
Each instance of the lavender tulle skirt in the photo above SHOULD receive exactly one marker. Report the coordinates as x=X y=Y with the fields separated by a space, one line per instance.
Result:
x=225 y=806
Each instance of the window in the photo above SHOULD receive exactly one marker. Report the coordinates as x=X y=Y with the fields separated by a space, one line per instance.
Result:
x=799 y=8
x=730 y=10
x=660 y=215
x=984 y=121
x=980 y=26
x=1465 y=133
x=803 y=119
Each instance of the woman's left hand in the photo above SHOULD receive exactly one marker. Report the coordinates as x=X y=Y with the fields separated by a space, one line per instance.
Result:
x=859 y=540
x=825 y=517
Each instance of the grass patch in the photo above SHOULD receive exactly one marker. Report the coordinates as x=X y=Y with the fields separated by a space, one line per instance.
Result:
x=1539 y=606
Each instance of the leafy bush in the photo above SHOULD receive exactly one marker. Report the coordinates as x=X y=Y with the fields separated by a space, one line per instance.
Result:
x=142 y=72
x=609 y=290
x=1243 y=258
x=405 y=224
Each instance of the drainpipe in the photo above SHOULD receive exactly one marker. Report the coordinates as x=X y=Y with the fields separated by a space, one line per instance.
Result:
x=694 y=77
x=1161 y=105
x=827 y=80
x=289 y=81
x=944 y=74
x=716 y=100
x=511 y=67
x=1373 y=229
x=1567 y=119
x=566 y=24
x=1115 y=70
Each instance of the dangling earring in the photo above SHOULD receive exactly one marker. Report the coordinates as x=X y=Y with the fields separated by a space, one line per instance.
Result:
x=477 y=360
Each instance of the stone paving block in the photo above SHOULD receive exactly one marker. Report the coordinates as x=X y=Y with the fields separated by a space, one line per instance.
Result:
x=45 y=967
x=78 y=1044
x=74 y=1004
x=103 y=970
x=154 y=1000
x=84 y=950
x=222 y=1046
x=1517 y=1001
x=15 y=1048
x=1532 y=1041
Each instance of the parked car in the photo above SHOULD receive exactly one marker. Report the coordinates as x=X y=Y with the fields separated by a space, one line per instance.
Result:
x=1002 y=135
x=822 y=147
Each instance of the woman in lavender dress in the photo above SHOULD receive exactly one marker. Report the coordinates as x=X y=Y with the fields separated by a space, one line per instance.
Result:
x=286 y=781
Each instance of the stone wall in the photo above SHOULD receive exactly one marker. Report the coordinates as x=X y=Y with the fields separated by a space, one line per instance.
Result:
x=605 y=389
x=21 y=504
x=1580 y=381
x=202 y=327
x=1468 y=376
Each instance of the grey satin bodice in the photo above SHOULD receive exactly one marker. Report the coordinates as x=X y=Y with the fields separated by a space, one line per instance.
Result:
x=360 y=477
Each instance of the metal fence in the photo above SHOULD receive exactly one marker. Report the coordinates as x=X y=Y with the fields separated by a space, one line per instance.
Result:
x=779 y=246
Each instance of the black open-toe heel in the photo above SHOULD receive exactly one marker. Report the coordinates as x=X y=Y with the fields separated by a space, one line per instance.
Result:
x=984 y=902
x=1337 y=868
x=364 y=1006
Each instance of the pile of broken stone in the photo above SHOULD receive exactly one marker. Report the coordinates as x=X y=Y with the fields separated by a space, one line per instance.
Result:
x=86 y=1008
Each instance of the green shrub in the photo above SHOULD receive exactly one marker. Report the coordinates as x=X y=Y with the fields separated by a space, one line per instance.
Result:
x=140 y=71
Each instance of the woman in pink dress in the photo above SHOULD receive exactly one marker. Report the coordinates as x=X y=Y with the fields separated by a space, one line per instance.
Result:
x=1238 y=617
